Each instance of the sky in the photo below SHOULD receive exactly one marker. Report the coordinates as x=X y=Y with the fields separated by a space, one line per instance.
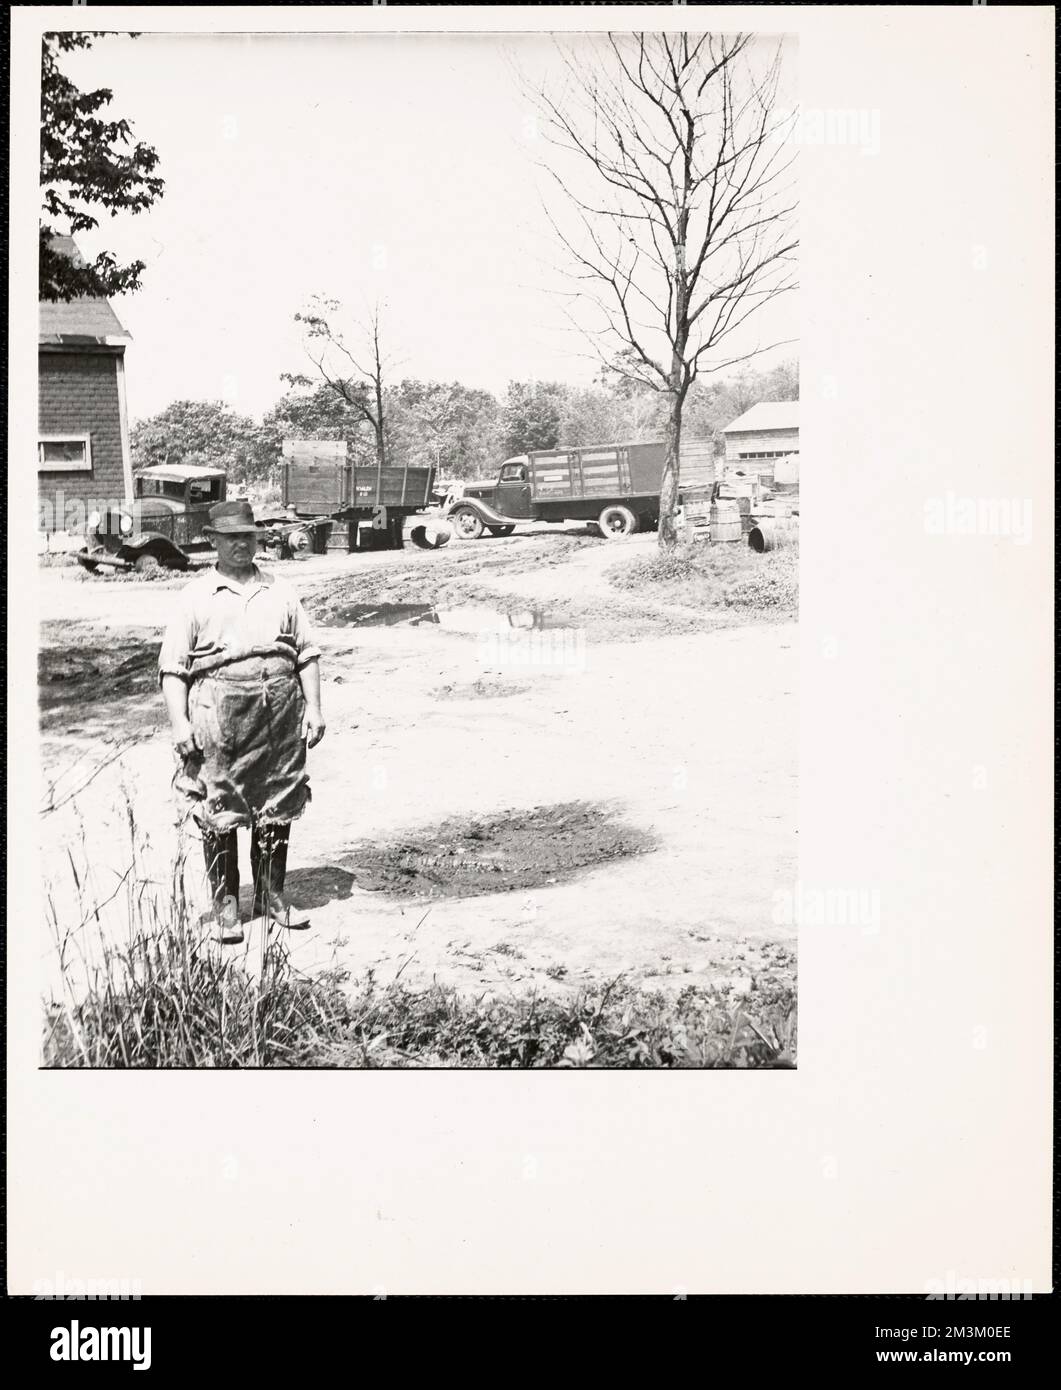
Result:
x=393 y=168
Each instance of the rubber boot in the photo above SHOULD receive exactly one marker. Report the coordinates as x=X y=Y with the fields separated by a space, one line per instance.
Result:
x=222 y=871
x=269 y=866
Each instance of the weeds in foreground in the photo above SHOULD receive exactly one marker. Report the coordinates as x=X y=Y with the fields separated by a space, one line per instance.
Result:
x=165 y=996
x=183 y=1008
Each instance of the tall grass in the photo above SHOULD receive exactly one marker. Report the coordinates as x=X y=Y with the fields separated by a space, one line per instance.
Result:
x=168 y=995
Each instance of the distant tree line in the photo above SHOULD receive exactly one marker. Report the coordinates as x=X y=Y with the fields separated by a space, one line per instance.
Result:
x=464 y=432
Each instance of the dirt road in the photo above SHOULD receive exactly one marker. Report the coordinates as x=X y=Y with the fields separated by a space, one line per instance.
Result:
x=468 y=692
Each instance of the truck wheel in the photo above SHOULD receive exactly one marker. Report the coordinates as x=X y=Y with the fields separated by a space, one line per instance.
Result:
x=147 y=565
x=500 y=530
x=468 y=523
x=616 y=520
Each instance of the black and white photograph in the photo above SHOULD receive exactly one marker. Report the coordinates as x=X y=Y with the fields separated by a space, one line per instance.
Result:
x=417 y=667
x=483 y=818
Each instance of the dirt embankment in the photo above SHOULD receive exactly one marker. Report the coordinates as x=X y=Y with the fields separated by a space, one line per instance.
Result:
x=612 y=591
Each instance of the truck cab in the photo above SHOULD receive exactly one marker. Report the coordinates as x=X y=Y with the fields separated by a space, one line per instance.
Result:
x=162 y=522
x=510 y=494
x=493 y=504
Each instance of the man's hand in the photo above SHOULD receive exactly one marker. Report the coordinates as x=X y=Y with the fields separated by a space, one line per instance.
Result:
x=313 y=726
x=184 y=738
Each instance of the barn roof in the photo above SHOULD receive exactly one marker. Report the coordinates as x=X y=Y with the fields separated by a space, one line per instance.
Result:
x=768 y=415
x=82 y=319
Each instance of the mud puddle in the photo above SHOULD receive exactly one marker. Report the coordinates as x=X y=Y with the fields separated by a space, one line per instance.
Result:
x=472 y=618
x=468 y=857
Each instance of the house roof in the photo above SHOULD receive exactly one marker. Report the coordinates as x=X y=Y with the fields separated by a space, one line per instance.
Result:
x=768 y=415
x=84 y=319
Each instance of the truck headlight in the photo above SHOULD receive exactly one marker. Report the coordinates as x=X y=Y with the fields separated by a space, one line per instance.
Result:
x=125 y=525
x=94 y=520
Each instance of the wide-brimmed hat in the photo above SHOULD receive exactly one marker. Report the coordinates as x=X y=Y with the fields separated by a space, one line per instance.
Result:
x=234 y=516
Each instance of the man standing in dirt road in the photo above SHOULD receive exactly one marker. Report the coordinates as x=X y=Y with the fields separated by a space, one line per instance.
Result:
x=241 y=682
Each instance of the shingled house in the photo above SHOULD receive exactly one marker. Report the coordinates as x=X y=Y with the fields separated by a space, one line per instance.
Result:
x=767 y=432
x=83 y=456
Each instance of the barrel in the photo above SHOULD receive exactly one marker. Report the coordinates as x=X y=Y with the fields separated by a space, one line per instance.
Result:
x=725 y=522
x=339 y=537
x=773 y=532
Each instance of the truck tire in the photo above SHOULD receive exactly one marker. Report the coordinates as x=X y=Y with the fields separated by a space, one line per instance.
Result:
x=147 y=564
x=467 y=523
x=500 y=530
x=616 y=520
x=430 y=540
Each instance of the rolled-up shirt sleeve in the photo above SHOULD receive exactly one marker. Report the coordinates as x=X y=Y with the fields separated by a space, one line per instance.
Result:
x=178 y=643
x=302 y=632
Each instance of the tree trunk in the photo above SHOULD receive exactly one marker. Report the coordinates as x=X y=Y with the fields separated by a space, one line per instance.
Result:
x=668 y=493
x=381 y=451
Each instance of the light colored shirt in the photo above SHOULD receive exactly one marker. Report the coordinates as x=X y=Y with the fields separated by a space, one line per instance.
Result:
x=216 y=616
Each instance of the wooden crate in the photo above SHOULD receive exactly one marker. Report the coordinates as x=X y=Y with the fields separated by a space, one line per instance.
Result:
x=696 y=463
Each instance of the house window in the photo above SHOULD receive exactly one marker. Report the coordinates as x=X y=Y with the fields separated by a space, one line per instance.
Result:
x=64 y=453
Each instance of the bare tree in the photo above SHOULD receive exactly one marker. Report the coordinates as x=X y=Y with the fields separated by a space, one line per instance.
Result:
x=672 y=162
x=333 y=359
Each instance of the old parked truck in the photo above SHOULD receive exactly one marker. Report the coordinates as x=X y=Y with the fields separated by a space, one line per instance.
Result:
x=615 y=485
x=162 y=525
x=375 y=503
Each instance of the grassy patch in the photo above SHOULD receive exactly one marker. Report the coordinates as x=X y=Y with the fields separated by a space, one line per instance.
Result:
x=728 y=577
x=172 y=1006
x=611 y=1025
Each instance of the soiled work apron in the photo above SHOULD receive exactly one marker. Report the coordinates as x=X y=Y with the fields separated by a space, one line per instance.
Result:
x=250 y=767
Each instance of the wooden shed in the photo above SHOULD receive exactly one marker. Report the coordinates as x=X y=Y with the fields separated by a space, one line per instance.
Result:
x=757 y=439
